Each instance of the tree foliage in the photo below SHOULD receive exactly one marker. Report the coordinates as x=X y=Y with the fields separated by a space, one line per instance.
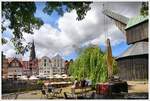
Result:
x=91 y=64
x=22 y=19
x=4 y=41
x=81 y=8
x=144 y=9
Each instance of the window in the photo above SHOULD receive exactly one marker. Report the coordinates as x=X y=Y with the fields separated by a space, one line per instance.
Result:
x=17 y=64
x=44 y=62
x=13 y=64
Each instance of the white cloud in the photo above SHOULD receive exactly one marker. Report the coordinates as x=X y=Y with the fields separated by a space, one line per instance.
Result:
x=49 y=41
x=8 y=50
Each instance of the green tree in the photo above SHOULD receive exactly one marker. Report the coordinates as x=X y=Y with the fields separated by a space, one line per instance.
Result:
x=22 y=19
x=144 y=9
x=91 y=64
x=4 y=41
x=80 y=7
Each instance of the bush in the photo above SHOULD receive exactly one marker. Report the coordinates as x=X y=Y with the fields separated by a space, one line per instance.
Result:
x=40 y=82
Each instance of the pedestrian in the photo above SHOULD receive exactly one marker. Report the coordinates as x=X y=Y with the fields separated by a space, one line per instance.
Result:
x=74 y=86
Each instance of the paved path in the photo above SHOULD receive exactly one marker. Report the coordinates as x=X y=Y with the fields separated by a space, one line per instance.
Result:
x=30 y=95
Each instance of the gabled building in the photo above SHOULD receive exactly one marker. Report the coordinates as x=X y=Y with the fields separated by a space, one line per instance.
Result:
x=26 y=70
x=15 y=69
x=45 y=67
x=58 y=64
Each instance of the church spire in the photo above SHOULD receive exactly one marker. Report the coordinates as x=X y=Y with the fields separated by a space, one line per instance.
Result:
x=32 y=52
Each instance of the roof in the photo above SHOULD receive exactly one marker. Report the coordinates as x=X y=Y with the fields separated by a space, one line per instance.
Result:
x=136 y=20
x=138 y=48
x=15 y=60
x=45 y=57
x=116 y=16
x=57 y=56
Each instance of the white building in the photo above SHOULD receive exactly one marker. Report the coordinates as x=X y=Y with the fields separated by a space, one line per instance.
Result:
x=50 y=67
x=58 y=64
x=45 y=67
x=15 y=69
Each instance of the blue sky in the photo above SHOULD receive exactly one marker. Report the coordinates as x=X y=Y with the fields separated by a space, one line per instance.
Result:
x=53 y=21
x=119 y=49
x=71 y=33
x=45 y=17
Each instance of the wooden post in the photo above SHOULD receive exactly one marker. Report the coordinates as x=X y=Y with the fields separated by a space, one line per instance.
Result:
x=109 y=59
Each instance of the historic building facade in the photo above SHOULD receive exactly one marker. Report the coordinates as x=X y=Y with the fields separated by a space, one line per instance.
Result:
x=51 y=67
x=31 y=66
x=67 y=66
x=45 y=67
x=15 y=69
x=58 y=64
x=26 y=70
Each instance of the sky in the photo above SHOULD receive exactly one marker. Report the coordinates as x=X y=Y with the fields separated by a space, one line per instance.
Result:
x=64 y=35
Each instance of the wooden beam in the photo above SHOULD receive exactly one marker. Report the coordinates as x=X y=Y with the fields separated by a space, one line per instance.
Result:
x=120 y=21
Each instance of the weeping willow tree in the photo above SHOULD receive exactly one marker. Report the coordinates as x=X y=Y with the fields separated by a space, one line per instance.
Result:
x=91 y=64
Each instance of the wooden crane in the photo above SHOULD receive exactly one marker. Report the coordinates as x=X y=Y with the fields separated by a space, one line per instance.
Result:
x=113 y=85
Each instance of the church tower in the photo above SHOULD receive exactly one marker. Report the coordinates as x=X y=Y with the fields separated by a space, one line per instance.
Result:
x=32 y=52
x=33 y=62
